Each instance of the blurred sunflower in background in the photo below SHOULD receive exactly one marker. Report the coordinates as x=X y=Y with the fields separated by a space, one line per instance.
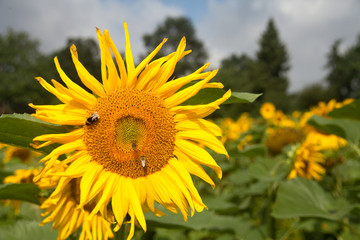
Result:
x=133 y=143
x=25 y=155
x=308 y=162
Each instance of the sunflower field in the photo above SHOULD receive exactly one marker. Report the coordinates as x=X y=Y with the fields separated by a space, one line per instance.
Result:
x=288 y=177
x=138 y=155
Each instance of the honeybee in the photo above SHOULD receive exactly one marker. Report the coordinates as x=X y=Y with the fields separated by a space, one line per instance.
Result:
x=143 y=163
x=93 y=118
x=134 y=146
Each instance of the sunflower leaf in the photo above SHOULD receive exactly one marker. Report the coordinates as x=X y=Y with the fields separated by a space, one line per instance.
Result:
x=301 y=197
x=208 y=95
x=20 y=129
x=22 y=191
x=351 y=111
x=242 y=97
x=203 y=220
x=26 y=229
x=345 y=128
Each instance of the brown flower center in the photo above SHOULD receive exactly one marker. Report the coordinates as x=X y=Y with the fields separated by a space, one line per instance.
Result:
x=134 y=135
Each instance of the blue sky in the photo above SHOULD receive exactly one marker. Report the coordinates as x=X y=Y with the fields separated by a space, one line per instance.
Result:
x=307 y=27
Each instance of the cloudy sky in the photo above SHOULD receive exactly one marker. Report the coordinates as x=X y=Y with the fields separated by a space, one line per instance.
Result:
x=307 y=27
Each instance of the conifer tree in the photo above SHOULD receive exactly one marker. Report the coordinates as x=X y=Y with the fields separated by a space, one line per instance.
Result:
x=344 y=71
x=272 y=65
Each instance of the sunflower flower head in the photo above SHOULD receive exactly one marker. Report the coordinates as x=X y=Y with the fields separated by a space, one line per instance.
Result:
x=134 y=144
x=308 y=162
x=280 y=137
x=23 y=154
x=19 y=176
x=267 y=110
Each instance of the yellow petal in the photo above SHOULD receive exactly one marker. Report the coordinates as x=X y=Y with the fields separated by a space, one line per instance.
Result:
x=89 y=80
x=135 y=203
x=193 y=168
x=76 y=91
x=199 y=124
x=129 y=58
x=119 y=60
x=145 y=62
x=198 y=155
x=198 y=111
x=187 y=93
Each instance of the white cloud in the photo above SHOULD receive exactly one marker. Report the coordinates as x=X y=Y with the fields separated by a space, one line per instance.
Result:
x=307 y=27
x=54 y=21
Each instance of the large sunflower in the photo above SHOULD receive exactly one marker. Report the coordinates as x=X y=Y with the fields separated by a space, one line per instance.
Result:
x=134 y=144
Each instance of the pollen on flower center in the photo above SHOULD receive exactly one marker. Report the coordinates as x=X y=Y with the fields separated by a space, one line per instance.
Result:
x=130 y=133
x=133 y=127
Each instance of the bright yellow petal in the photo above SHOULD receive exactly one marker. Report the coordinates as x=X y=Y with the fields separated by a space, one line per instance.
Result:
x=77 y=92
x=145 y=62
x=198 y=155
x=59 y=138
x=119 y=60
x=198 y=111
x=170 y=87
x=193 y=167
x=187 y=93
x=199 y=124
x=86 y=78
x=129 y=58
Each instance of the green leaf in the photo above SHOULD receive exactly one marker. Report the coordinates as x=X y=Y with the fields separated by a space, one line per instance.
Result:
x=203 y=220
x=242 y=97
x=4 y=174
x=345 y=128
x=351 y=111
x=20 y=130
x=26 y=229
x=22 y=191
x=207 y=95
x=255 y=150
x=301 y=197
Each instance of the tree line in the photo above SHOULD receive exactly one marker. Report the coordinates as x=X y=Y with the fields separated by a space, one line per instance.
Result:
x=266 y=72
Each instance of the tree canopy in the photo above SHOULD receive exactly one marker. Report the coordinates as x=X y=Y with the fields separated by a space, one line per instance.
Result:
x=344 y=71
x=265 y=73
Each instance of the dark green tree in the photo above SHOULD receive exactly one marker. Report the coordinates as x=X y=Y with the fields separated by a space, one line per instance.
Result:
x=235 y=73
x=344 y=71
x=272 y=65
x=174 y=29
x=266 y=73
x=19 y=56
x=309 y=96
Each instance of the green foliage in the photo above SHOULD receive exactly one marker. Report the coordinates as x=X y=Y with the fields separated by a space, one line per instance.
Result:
x=19 y=55
x=351 y=111
x=346 y=128
x=310 y=96
x=344 y=71
x=301 y=197
x=265 y=74
x=21 y=129
x=23 y=191
x=25 y=225
x=208 y=95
